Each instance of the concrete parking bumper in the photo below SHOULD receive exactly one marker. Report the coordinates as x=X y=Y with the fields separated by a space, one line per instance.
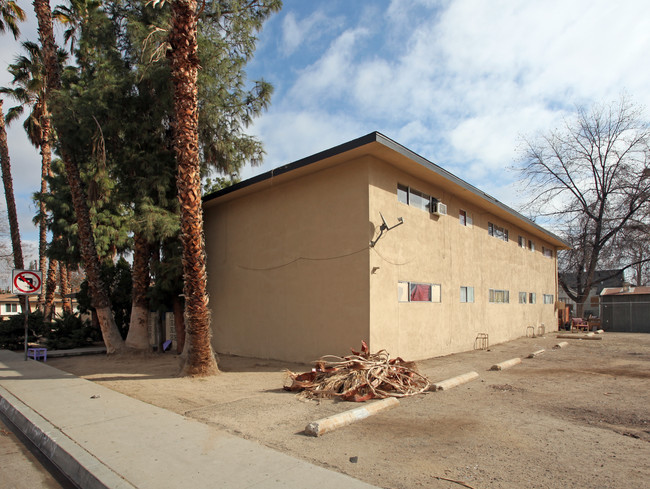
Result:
x=103 y=439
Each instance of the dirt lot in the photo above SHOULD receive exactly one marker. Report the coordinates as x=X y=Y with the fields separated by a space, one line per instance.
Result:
x=574 y=417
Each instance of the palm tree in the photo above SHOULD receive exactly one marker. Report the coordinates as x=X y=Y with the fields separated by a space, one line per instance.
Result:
x=7 y=180
x=10 y=15
x=64 y=288
x=29 y=91
x=229 y=28
x=138 y=335
x=184 y=72
x=48 y=45
x=72 y=17
x=101 y=301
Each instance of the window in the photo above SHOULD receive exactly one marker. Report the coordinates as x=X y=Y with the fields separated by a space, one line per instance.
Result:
x=499 y=296
x=11 y=307
x=548 y=298
x=522 y=242
x=522 y=297
x=436 y=293
x=418 y=292
x=532 y=298
x=547 y=252
x=465 y=218
x=497 y=232
x=467 y=294
x=403 y=194
x=419 y=200
x=531 y=245
x=415 y=198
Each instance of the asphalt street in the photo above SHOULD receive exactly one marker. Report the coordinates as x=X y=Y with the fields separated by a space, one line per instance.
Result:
x=22 y=466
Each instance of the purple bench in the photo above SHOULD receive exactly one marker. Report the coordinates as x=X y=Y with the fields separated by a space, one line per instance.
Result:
x=37 y=353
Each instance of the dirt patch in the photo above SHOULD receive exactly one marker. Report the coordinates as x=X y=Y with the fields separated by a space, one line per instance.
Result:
x=506 y=388
x=573 y=417
x=617 y=419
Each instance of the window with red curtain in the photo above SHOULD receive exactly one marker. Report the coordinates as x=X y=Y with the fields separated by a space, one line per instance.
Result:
x=420 y=292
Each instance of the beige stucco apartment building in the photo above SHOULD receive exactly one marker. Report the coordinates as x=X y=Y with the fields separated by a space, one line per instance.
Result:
x=299 y=265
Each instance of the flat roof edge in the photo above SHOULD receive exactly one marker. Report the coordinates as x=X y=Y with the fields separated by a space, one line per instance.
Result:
x=308 y=160
x=395 y=146
x=462 y=183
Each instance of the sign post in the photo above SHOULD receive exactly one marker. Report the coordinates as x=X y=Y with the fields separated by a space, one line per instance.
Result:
x=26 y=283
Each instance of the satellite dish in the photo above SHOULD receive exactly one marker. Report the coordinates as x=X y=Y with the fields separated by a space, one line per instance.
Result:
x=384 y=225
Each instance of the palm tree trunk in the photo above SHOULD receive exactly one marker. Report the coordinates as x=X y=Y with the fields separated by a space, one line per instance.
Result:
x=184 y=66
x=8 y=182
x=46 y=160
x=179 y=324
x=48 y=45
x=64 y=287
x=100 y=299
x=50 y=289
x=138 y=336
x=99 y=296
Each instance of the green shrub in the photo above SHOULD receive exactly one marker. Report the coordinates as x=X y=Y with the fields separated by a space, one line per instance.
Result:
x=70 y=331
x=12 y=330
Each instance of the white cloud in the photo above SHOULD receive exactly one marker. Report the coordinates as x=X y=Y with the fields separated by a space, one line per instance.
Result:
x=493 y=137
x=329 y=77
x=298 y=32
x=456 y=81
x=460 y=82
x=289 y=136
x=547 y=49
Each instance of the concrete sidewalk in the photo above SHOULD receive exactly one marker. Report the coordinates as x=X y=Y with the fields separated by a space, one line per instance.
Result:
x=103 y=439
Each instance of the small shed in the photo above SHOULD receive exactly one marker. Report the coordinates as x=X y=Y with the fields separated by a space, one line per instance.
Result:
x=626 y=309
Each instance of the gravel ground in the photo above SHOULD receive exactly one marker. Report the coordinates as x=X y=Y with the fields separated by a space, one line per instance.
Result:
x=572 y=417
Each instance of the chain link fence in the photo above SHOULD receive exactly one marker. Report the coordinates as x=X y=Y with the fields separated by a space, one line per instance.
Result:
x=630 y=316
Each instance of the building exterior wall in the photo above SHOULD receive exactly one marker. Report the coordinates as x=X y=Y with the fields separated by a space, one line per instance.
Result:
x=10 y=306
x=15 y=304
x=287 y=266
x=439 y=250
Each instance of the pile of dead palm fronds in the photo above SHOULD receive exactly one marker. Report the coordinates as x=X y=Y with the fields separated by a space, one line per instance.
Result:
x=358 y=377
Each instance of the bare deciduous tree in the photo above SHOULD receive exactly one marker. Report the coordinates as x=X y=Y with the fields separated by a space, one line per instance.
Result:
x=632 y=247
x=590 y=178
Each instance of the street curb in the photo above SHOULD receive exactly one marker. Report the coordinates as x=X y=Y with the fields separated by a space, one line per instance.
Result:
x=444 y=385
x=345 y=418
x=536 y=353
x=82 y=468
x=506 y=364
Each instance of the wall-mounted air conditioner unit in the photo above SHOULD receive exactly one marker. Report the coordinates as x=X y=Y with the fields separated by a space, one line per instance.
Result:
x=439 y=209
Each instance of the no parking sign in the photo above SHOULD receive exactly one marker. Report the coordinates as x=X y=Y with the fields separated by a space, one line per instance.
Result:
x=26 y=282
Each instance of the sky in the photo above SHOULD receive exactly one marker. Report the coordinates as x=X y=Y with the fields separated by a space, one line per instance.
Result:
x=459 y=82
